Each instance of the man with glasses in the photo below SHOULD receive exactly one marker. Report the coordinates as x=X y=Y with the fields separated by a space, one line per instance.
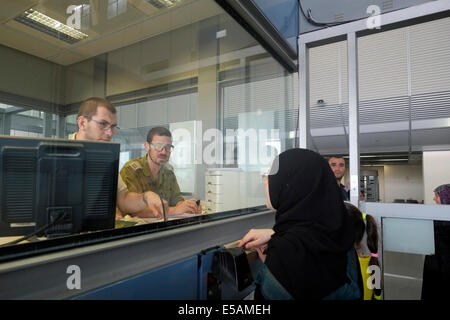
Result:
x=97 y=121
x=152 y=172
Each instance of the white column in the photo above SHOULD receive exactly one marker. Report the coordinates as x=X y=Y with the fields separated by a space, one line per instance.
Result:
x=353 y=121
x=303 y=114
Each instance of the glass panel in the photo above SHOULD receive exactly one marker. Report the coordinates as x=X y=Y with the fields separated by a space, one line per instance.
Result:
x=185 y=65
x=408 y=249
x=408 y=235
x=414 y=241
x=284 y=16
x=31 y=123
x=70 y=125
x=402 y=275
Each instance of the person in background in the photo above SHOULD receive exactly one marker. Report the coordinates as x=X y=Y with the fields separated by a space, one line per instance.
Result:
x=362 y=197
x=97 y=121
x=337 y=165
x=308 y=254
x=365 y=223
x=152 y=172
x=436 y=269
x=442 y=194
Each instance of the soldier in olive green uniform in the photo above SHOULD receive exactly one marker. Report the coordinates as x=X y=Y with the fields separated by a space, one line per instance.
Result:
x=153 y=173
x=137 y=176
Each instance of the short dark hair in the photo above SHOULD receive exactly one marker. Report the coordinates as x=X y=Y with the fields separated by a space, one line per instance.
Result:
x=158 y=131
x=89 y=106
x=336 y=157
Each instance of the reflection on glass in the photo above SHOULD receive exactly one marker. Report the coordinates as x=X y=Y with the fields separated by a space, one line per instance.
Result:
x=54 y=188
x=229 y=105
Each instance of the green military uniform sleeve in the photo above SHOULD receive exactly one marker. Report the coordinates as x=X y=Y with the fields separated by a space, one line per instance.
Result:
x=175 y=193
x=130 y=175
x=121 y=186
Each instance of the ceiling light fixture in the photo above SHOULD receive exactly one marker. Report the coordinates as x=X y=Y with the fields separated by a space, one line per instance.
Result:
x=160 y=4
x=50 y=26
x=387 y=160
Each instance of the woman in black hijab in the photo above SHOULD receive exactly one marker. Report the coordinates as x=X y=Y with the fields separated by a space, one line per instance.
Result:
x=307 y=249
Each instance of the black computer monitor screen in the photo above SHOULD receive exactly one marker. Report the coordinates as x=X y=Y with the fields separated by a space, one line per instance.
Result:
x=56 y=187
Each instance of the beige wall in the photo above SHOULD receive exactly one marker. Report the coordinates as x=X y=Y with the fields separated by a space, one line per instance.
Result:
x=28 y=76
x=403 y=182
x=25 y=75
x=79 y=81
x=397 y=181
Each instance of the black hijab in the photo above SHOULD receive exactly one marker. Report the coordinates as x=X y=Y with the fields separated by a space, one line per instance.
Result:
x=313 y=231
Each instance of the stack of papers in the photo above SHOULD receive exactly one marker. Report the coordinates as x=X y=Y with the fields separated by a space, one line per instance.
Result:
x=179 y=216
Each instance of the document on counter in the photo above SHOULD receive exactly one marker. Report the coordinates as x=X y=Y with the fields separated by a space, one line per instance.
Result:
x=174 y=217
x=186 y=215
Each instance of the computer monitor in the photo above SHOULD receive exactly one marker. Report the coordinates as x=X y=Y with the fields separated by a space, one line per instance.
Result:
x=56 y=186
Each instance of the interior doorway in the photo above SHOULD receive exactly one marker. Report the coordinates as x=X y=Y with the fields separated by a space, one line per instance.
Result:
x=369 y=185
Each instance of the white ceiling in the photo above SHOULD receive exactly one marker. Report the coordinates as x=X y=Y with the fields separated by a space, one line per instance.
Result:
x=140 y=20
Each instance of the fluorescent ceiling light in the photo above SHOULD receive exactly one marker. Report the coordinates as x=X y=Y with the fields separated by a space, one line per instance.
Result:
x=163 y=3
x=50 y=26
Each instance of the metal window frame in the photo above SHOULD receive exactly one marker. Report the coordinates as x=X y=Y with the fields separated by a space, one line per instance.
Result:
x=250 y=17
x=351 y=32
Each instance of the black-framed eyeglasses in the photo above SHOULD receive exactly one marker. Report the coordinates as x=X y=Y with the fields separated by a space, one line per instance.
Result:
x=104 y=125
x=161 y=146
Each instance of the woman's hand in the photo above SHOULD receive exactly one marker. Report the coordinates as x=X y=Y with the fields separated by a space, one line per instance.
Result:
x=261 y=250
x=256 y=238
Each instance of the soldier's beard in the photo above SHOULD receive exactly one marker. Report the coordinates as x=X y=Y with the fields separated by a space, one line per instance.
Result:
x=155 y=162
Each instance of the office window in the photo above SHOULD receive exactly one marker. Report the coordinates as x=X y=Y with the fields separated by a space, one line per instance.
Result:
x=70 y=125
x=29 y=123
x=116 y=7
x=186 y=66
